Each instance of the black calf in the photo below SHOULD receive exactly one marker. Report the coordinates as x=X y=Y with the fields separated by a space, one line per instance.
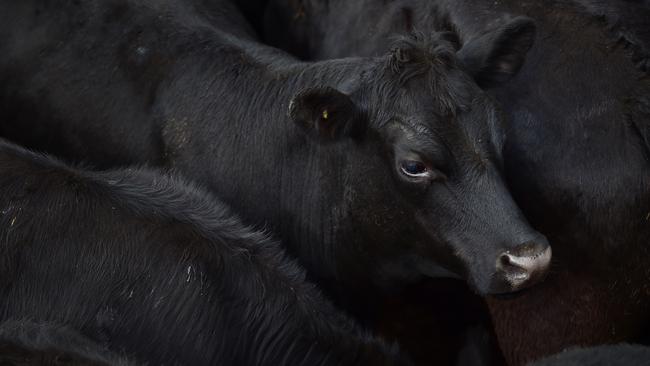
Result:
x=158 y=271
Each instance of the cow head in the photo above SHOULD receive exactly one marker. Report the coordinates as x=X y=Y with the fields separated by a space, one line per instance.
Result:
x=420 y=142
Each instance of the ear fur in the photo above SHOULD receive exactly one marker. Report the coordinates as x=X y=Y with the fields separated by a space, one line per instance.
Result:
x=495 y=57
x=326 y=113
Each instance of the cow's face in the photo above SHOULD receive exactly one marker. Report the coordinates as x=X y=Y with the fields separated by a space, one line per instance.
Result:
x=425 y=168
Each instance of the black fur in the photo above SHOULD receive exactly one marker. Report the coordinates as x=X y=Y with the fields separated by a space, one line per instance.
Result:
x=25 y=343
x=627 y=20
x=152 y=268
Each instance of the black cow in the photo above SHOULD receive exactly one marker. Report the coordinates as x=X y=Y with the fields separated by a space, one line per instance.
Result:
x=24 y=343
x=385 y=169
x=577 y=153
x=157 y=270
x=609 y=355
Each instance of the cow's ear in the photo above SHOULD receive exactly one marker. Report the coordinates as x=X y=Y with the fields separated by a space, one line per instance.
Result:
x=497 y=56
x=326 y=113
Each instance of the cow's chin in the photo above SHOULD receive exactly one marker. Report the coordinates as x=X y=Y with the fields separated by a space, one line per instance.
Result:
x=434 y=270
x=410 y=269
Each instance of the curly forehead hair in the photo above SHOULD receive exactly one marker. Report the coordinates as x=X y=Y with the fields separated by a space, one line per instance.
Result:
x=417 y=53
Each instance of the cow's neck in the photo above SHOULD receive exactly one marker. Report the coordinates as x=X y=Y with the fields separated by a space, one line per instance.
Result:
x=224 y=121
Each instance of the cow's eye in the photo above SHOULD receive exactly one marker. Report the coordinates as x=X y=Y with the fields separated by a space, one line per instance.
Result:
x=414 y=169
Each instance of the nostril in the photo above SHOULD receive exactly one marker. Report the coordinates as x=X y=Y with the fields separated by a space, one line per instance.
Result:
x=524 y=265
x=525 y=259
x=505 y=260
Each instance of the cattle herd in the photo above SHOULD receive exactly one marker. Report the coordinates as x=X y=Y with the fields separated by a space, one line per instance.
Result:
x=325 y=182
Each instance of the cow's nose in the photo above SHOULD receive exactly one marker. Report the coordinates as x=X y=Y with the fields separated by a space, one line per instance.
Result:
x=524 y=265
